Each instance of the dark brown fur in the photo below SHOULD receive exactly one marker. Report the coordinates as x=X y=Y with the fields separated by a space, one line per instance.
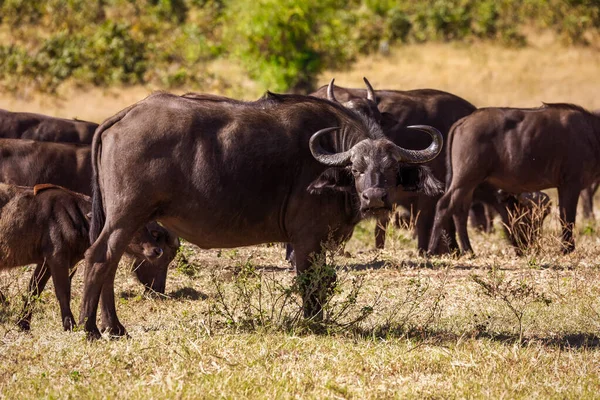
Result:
x=395 y=110
x=228 y=174
x=21 y=125
x=48 y=226
x=29 y=163
x=520 y=150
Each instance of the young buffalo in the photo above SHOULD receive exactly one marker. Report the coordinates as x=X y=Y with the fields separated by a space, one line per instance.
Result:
x=520 y=150
x=49 y=226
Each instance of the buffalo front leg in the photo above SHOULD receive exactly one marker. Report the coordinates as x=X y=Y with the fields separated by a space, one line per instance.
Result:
x=316 y=280
x=37 y=283
x=380 y=230
x=567 y=203
x=587 y=202
x=423 y=226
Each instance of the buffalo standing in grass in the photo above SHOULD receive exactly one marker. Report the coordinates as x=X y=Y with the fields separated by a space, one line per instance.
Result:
x=49 y=226
x=28 y=163
x=21 y=125
x=225 y=173
x=587 y=194
x=394 y=110
x=520 y=150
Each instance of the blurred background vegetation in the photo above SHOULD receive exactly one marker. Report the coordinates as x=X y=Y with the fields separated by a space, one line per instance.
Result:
x=281 y=44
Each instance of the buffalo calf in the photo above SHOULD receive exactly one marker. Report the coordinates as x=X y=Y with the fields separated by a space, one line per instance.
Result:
x=49 y=226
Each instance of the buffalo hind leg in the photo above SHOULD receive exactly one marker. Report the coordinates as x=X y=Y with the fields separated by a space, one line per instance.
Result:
x=102 y=260
x=587 y=201
x=567 y=203
x=62 y=288
x=37 y=283
x=110 y=322
x=442 y=216
x=454 y=201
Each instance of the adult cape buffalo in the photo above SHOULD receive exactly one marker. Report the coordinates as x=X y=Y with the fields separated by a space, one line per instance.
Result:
x=226 y=173
x=29 y=163
x=587 y=194
x=520 y=150
x=394 y=110
x=21 y=125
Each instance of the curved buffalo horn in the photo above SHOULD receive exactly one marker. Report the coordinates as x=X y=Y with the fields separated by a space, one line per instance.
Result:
x=322 y=155
x=330 y=95
x=421 y=156
x=370 y=91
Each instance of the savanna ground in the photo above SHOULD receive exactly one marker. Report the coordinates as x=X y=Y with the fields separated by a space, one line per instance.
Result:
x=399 y=325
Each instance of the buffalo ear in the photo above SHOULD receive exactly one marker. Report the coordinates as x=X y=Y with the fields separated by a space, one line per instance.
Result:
x=335 y=179
x=419 y=178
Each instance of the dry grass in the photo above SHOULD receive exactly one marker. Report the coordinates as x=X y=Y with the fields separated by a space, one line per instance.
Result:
x=434 y=332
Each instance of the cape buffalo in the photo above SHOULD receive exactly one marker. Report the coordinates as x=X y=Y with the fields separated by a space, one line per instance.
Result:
x=587 y=200
x=520 y=150
x=226 y=173
x=21 y=125
x=49 y=226
x=481 y=216
x=28 y=163
x=394 y=110
x=587 y=194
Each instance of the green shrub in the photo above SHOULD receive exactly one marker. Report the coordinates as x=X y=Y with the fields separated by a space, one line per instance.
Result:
x=283 y=44
x=113 y=56
x=276 y=40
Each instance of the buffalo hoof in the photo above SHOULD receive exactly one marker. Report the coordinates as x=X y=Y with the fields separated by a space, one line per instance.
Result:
x=469 y=255
x=115 y=332
x=3 y=300
x=69 y=323
x=24 y=325
x=568 y=248
x=91 y=331
x=92 y=334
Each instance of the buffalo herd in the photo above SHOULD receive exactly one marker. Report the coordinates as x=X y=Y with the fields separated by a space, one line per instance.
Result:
x=297 y=169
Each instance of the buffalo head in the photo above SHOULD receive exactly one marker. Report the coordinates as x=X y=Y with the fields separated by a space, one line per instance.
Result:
x=153 y=248
x=375 y=165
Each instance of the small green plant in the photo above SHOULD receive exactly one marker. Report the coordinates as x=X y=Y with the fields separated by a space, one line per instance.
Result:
x=259 y=300
x=516 y=294
x=75 y=375
x=183 y=264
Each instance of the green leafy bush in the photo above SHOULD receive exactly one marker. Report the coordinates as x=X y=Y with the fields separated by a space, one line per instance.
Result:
x=283 y=44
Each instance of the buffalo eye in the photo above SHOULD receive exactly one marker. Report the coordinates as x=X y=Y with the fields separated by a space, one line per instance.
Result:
x=356 y=172
x=155 y=234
